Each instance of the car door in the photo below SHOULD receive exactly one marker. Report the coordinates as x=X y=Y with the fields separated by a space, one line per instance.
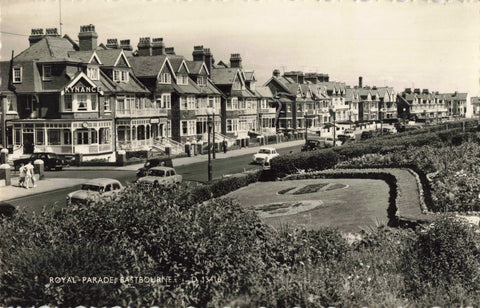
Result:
x=108 y=192
x=116 y=188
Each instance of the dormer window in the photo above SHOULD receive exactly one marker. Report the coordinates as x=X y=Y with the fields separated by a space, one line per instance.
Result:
x=120 y=76
x=17 y=75
x=165 y=78
x=93 y=73
x=201 y=81
x=182 y=79
x=47 y=72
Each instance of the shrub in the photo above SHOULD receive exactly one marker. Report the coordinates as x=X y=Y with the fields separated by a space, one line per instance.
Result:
x=445 y=256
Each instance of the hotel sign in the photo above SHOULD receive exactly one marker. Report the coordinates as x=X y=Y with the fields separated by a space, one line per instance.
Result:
x=82 y=89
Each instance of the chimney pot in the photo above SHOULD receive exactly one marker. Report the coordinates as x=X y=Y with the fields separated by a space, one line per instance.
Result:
x=87 y=38
x=158 y=47
x=112 y=43
x=170 y=50
x=198 y=53
x=235 y=60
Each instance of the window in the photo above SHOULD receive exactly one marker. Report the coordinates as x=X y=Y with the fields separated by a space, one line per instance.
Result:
x=106 y=104
x=116 y=75
x=166 y=101
x=92 y=73
x=165 y=78
x=182 y=79
x=47 y=72
x=11 y=103
x=53 y=136
x=82 y=136
x=17 y=75
x=67 y=102
x=191 y=102
x=120 y=76
x=211 y=102
x=67 y=137
x=93 y=99
x=201 y=81
x=39 y=137
x=232 y=125
x=184 y=128
x=82 y=102
x=234 y=103
x=183 y=103
x=121 y=103
x=124 y=76
x=93 y=136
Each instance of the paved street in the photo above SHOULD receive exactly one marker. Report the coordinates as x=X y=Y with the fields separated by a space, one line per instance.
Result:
x=192 y=169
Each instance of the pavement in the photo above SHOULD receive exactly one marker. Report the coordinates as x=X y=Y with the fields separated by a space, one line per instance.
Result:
x=48 y=184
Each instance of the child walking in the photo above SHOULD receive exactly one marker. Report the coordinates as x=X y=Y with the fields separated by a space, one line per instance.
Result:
x=23 y=173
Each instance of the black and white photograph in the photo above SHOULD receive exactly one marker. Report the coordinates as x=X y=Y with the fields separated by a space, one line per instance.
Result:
x=240 y=153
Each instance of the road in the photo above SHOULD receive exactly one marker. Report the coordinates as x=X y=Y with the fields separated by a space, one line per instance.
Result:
x=193 y=172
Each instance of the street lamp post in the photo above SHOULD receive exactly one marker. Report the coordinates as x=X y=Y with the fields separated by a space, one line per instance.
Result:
x=333 y=114
x=213 y=136
x=209 y=127
x=306 y=126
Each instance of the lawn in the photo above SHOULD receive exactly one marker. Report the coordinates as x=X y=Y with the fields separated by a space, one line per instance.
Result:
x=348 y=204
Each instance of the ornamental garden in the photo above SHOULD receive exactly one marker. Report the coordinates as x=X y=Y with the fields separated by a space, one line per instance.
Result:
x=220 y=248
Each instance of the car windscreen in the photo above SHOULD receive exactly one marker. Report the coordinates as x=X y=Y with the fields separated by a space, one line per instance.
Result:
x=156 y=173
x=91 y=187
x=264 y=151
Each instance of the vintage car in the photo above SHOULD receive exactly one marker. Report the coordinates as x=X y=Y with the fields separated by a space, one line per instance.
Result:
x=161 y=177
x=95 y=190
x=313 y=143
x=350 y=133
x=50 y=161
x=154 y=162
x=329 y=142
x=264 y=155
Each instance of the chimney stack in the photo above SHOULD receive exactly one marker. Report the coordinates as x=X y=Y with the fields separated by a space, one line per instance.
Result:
x=276 y=73
x=235 y=60
x=360 y=82
x=144 y=47
x=87 y=37
x=112 y=43
x=170 y=50
x=125 y=45
x=52 y=32
x=209 y=61
x=158 y=47
x=37 y=35
x=198 y=53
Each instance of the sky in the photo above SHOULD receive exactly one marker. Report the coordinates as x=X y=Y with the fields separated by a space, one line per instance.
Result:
x=424 y=44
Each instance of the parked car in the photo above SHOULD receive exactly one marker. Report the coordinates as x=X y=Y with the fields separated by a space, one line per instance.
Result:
x=50 y=161
x=95 y=190
x=161 y=177
x=350 y=133
x=366 y=135
x=313 y=143
x=329 y=142
x=264 y=155
x=154 y=162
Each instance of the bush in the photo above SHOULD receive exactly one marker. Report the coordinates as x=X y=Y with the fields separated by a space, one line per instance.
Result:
x=308 y=161
x=444 y=257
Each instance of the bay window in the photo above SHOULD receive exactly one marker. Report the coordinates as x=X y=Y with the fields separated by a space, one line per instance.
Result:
x=81 y=102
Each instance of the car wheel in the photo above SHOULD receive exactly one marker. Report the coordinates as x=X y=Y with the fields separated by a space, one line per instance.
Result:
x=59 y=168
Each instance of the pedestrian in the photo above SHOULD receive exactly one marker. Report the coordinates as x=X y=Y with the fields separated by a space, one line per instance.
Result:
x=224 y=145
x=187 y=148
x=30 y=175
x=23 y=172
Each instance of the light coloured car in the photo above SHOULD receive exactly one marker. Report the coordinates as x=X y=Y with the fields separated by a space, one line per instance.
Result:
x=161 y=177
x=95 y=190
x=329 y=142
x=264 y=155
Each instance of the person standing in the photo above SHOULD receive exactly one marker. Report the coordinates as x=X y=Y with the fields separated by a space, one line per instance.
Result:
x=224 y=145
x=23 y=172
x=30 y=175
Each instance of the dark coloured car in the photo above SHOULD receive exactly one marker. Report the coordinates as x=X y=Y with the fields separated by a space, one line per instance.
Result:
x=154 y=162
x=50 y=161
x=366 y=135
x=314 y=144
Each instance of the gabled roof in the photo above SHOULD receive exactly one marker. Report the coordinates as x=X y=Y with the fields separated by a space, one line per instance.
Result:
x=225 y=76
x=110 y=57
x=49 y=48
x=195 y=67
x=190 y=88
x=177 y=62
x=249 y=76
x=148 y=66
x=264 y=92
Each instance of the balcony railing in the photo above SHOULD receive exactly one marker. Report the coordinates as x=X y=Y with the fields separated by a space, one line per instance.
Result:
x=141 y=112
x=248 y=111
x=268 y=110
